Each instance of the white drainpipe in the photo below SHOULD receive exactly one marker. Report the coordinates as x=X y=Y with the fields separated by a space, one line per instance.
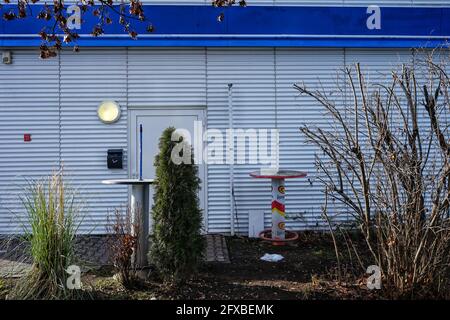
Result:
x=231 y=155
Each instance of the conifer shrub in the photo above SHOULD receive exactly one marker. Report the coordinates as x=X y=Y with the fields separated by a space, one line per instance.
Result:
x=177 y=244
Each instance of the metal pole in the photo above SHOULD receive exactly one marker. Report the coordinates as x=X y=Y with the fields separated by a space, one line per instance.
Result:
x=231 y=155
x=140 y=152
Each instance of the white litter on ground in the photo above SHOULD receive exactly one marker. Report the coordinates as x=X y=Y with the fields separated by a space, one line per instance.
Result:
x=272 y=257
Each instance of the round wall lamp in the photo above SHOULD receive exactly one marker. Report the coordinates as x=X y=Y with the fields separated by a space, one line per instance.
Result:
x=108 y=111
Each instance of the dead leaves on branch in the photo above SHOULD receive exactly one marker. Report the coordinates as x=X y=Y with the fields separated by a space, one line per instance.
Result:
x=56 y=34
x=228 y=3
x=8 y=16
x=53 y=37
x=47 y=52
x=224 y=4
x=45 y=13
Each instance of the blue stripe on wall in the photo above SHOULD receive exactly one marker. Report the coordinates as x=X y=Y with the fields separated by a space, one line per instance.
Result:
x=260 y=26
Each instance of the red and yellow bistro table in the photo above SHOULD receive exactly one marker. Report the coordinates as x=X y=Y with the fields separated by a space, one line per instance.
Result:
x=278 y=199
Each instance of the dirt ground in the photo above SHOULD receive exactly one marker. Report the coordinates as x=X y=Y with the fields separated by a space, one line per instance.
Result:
x=308 y=271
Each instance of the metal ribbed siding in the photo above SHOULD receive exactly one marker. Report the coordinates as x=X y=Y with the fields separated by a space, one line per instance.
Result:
x=354 y=3
x=311 y=2
x=175 y=2
x=263 y=98
x=87 y=78
x=381 y=3
x=164 y=77
x=317 y=69
x=429 y=3
x=28 y=104
x=377 y=64
x=349 y=3
x=253 y=78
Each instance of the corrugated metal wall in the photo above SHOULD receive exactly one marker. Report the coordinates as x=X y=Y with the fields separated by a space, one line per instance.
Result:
x=56 y=100
x=253 y=78
x=303 y=196
x=29 y=93
x=87 y=79
x=165 y=77
x=336 y=3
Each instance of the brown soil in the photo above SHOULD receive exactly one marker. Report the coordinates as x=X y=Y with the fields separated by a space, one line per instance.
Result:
x=308 y=271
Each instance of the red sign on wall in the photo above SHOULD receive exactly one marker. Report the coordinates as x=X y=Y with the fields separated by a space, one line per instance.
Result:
x=27 y=137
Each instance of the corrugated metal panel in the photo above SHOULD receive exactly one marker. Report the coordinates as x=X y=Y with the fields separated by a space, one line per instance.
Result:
x=252 y=75
x=263 y=98
x=385 y=3
x=175 y=2
x=28 y=104
x=348 y=3
x=87 y=78
x=155 y=2
x=431 y=3
x=204 y=2
x=308 y=3
x=318 y=70
x=381 y=3
x=376 y=67
x=312 y=3
x=159 y=77
x=434 y=157
x=377 y=64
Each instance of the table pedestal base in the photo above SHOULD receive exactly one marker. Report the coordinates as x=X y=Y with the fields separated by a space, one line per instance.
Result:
x=140 y=222
x=278 y=209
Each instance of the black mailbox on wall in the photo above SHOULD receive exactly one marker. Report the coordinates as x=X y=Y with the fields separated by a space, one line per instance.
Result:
x=115 y=159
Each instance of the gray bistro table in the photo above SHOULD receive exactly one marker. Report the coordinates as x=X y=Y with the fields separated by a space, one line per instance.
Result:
x=140 y=208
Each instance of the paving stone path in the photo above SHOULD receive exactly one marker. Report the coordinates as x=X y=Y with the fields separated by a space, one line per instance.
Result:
x=92 y=251
x=216 y=249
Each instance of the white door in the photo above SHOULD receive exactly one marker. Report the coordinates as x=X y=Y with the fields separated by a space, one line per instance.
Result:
x=154 y=122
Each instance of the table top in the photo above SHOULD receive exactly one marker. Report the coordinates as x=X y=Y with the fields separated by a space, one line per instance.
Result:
x=129 y=181
x=280 y=174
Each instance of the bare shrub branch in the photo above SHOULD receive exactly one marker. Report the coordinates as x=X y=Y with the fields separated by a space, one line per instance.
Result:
x=387 y=160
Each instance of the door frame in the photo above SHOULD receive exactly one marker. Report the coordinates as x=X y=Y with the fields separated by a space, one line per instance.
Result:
x=199 y=111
